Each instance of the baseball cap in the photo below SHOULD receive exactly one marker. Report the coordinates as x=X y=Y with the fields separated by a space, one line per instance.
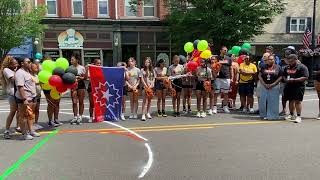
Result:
x=291 y=48
x=270 y=48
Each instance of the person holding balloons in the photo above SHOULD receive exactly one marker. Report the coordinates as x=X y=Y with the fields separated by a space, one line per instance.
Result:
x=187 y=83
x=161 y=74
x=176 y=69
x=147 y=79
x=78 y=93
x=25 y=97
x=34 y=70
x=95 y=62
x=203 y=73
x=53 y=104
x=133 y=82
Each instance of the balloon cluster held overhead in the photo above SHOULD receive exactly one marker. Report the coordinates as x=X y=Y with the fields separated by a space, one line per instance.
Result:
x=57 y=77
x=200 y=49
x=197 y=50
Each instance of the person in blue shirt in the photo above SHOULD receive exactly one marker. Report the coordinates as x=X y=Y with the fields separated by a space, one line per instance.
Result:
x=269 y=49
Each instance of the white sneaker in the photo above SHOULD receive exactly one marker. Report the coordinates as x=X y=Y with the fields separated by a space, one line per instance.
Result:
x=244 y=110
x=290 y=118
x=215 y=110
x=298 y=119
x=226 y=109
x=318 y=118
x=203 y=114
x=251 y=110
x=27 y=137
x=74 y=120
x=90 y=120
x=198 y=114
x=131 y=116
x=122 y=117
x=135 y=116
x=34 y=134
x=79 y=120
x=210 y=112
x=143 y=118
x=149 y=116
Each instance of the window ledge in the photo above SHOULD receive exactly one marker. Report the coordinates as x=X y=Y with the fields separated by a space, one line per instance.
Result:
x=296 y=32
x=51 y=15
x=103 y=16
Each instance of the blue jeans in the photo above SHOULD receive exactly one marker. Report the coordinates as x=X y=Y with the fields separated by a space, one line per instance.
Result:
x=269 y=102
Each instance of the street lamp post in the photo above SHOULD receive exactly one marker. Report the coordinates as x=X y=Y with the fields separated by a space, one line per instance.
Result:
x=314 y=24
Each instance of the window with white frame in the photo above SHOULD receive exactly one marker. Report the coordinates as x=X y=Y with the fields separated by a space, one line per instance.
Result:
x=51 y=7
x=298 y=25
x=77 y=7
x=103 y=8
x=148 y=8
x=131 y=9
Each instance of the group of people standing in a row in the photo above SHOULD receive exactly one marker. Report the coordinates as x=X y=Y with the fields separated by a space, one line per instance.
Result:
x=223 y=75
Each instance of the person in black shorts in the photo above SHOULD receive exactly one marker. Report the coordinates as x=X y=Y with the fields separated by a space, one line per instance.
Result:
x=176 y=69
x=295 y=75
x=78 y=93
x=95 y=62
x=160 y=73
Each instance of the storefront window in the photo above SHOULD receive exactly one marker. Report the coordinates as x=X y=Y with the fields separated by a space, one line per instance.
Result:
x=54 y=54
x=89 y=55
x=129 y=38
x=147 y=37
x=107 y=58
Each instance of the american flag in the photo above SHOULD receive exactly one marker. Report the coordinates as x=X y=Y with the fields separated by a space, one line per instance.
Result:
x=306 y=38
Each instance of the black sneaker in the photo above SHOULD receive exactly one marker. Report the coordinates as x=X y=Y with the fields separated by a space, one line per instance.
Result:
x=52 y=124
x=6 y=135
x=58 y=122
x=164 y=114
x=174 y=114
x=178 y=114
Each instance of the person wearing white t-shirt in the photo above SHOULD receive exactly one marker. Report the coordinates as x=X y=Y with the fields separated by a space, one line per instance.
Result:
x=8 y=68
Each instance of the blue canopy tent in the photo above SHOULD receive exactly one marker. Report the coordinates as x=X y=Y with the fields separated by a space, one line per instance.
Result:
x=24 y=51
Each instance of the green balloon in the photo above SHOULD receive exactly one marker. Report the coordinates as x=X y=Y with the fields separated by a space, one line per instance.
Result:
x=246 y=46
x=188 y=47
x=44 y=76
x=48 y=65
x=62 y=62
x=230 y=52
x=202 y=45
x=236 y=50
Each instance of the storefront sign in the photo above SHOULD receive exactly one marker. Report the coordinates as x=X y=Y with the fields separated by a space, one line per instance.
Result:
x=70 y=39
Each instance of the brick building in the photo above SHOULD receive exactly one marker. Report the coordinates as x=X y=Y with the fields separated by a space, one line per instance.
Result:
x=109 y=29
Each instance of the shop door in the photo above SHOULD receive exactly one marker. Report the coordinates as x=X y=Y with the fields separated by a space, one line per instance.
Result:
x=129 y=51
x=67 y=53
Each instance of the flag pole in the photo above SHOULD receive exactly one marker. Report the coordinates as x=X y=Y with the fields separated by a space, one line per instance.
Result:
x=313 y=43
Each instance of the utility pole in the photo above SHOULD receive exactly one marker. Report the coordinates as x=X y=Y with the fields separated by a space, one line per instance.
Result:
x=314 y=24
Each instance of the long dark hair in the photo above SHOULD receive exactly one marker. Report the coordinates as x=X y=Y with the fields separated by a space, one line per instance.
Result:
x=77 y=57
x=148 y=70
x=160 y=62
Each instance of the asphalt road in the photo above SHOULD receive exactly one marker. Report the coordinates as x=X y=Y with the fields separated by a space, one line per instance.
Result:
x=221 y=147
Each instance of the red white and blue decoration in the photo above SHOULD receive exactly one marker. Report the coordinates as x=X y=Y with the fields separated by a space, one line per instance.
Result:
x=107 y=89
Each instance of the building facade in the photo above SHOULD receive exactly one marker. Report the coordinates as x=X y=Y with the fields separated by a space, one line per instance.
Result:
x=287 y=28
x=107 y=29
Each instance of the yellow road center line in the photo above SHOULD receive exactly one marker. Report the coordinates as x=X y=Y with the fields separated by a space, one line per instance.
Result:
x=166 y=129
x=173 y=126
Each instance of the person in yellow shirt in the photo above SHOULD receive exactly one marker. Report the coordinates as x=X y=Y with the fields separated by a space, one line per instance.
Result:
x=248 y=72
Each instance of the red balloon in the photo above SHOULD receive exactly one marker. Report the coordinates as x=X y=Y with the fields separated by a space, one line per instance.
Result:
x=241 y=59
x=71 y=86
x=62 y=89
x=196 y=53
x=192 y=66
x=55 y=81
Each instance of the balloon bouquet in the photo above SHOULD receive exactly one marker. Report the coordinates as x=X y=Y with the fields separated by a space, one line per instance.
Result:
x=58 y=77
x=240 y=52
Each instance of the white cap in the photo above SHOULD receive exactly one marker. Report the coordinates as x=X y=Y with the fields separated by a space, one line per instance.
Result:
x=291 y=47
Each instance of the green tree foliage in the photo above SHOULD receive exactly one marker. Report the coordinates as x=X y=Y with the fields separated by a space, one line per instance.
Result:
x=226 y=22
x=18 y=22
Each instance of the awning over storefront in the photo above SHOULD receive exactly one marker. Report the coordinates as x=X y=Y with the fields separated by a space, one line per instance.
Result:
x=25 y=50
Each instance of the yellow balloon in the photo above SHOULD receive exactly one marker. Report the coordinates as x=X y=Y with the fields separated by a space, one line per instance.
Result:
x=205 y=54
x=55 y=94
x=46 y=86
